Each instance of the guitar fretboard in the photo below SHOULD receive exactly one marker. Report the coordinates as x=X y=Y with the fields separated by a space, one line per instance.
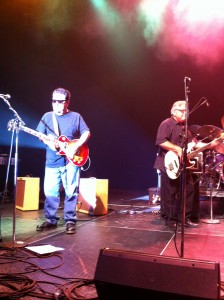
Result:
x=195 y=152
x=35 y=133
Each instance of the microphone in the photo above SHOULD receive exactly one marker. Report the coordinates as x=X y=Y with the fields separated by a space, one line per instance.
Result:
x=187 y=78
x=7 y=96
x=207 y=103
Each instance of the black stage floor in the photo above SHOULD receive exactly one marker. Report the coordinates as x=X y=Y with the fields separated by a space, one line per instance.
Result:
x=132 y=225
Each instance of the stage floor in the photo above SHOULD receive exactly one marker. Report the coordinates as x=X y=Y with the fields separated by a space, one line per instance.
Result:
x=132 y=224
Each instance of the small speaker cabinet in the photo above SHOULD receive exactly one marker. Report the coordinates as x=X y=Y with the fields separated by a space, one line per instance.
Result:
x=93 y=196
x=27 y=193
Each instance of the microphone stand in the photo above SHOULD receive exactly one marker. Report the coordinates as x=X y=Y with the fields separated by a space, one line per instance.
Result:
x=14 y=126
x=6 y=192
x=184 y=162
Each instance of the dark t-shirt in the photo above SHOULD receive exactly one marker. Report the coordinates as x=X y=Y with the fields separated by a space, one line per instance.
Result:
x=172 y=131
x=72 y=125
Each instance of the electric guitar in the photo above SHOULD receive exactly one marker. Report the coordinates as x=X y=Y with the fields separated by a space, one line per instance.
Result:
x=65 y=146
x=172 y=161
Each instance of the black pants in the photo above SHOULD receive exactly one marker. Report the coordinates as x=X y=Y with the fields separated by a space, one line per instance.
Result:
x=173 y=199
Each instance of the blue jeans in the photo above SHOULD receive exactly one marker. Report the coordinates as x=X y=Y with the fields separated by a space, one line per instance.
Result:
x=69 y=177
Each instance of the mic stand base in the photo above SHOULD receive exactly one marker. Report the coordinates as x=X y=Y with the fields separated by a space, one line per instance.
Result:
x=211 y=221
x=15 y=244
x=5 y=196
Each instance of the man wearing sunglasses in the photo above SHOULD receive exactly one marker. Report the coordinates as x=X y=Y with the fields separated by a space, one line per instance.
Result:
x=59 y=128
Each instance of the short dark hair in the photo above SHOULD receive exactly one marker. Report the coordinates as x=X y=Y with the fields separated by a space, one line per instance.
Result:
x=64 y=92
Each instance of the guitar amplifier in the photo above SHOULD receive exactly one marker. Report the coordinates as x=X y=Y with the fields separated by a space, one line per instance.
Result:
x=27 y=193
x=93 y=196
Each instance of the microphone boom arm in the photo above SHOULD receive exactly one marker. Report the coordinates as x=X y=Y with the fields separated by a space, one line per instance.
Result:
x=15 y=129
x=201 y=102
x=4 y=97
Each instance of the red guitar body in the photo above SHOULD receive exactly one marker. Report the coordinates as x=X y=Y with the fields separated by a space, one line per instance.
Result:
x=81 y=155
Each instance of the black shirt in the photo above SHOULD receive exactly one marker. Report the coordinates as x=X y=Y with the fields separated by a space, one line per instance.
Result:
x=172 y=131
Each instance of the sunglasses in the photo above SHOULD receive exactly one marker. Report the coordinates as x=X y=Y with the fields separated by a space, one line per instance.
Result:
x=59 y=101
x=181 y=110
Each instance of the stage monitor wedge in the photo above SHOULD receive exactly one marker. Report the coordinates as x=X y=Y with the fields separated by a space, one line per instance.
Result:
x=145 y=276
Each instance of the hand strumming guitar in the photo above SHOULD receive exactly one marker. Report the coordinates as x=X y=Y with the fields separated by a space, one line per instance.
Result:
x=72 y=150
x=50 y=141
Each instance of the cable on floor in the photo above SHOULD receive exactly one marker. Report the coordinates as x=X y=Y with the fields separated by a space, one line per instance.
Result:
x=15 y=286
x=71 y=290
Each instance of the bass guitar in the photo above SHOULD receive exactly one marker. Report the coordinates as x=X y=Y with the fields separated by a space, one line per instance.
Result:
x=174 y=166
x=65 y=146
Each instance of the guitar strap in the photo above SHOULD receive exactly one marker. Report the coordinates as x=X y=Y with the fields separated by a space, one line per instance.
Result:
x=55 y=124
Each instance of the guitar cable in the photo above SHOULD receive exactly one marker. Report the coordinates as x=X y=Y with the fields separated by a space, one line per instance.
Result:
x=85 y=169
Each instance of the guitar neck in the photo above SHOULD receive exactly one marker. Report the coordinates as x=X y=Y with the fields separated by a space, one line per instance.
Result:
x=195 y=152
x=35 y=133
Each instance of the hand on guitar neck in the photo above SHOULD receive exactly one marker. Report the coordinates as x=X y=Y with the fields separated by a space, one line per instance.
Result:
x=72 y=150
x=172 y=161
x=215 y=143
x=190 y=146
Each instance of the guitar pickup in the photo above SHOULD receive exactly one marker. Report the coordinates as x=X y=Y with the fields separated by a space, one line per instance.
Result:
x=65 y=145
x=170 y=167
x=176 y=164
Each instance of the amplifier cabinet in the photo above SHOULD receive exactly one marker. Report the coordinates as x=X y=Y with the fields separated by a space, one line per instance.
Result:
x=93 y=196
x=27 y=193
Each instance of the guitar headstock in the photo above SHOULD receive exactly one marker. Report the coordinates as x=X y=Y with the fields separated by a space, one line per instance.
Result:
x=14 y=124
x=11 y=125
